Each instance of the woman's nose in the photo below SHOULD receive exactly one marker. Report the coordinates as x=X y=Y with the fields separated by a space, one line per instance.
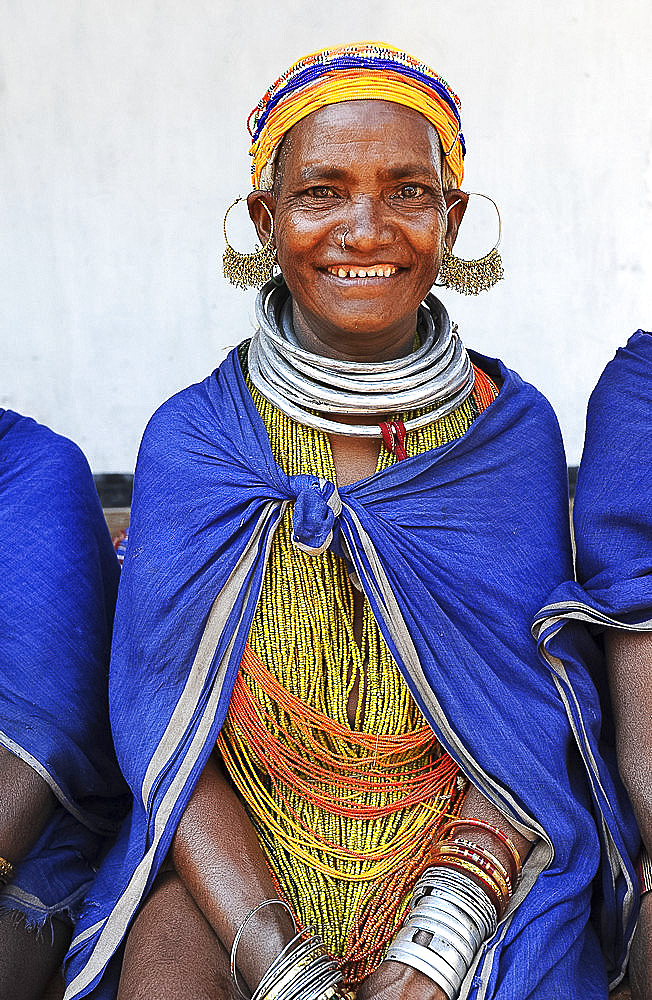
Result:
x=367 y=222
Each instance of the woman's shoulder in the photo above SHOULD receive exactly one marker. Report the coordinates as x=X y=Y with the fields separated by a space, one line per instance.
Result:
x=48 y=497
x=515 y=393
x=628 y=374
x=211 y=417
x=38 y=460
x=198 y=405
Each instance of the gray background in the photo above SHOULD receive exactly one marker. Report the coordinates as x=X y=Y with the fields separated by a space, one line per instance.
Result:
x=122 y=133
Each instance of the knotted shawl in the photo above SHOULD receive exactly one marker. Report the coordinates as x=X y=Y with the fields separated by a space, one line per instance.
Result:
x=57 y=598
x=456 y=549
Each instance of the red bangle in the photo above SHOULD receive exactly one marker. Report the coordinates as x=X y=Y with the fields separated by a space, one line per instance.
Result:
x=480 y=878
x=502 y=837
x=644 y=871
x=490 y=857
x=477 y=856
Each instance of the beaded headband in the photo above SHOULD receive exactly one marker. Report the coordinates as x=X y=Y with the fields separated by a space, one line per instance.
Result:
x=364 y=71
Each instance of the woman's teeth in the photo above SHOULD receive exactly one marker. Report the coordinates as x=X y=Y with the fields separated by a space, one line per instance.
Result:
x=376 y=271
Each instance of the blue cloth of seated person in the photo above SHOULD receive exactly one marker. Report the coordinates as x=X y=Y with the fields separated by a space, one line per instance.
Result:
x=456 y=550
x=57 y=600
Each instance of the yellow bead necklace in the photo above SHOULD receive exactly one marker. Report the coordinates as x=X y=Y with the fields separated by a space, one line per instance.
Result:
x=345 y=814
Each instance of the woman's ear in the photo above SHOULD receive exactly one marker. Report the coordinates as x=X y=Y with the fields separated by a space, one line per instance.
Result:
x=257 y=201
x=456 y=202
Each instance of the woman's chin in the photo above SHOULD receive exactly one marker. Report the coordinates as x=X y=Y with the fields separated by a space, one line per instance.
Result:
x=368 y=308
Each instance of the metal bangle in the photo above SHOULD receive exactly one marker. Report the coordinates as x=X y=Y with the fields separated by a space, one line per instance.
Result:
x=302 y=971
x=238 y=935
x=455 y=909
x=441 y=946
x=453 y=884
x=456 y=920
x=6 y=871
x=296 y=953
x=419 y=958
x=483 y=917
x=465 y=948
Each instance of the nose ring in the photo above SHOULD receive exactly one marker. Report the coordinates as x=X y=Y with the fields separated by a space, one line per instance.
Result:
x=344 y=236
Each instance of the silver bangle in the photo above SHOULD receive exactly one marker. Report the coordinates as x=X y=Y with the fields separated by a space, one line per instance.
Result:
x=238 y=935
x=287 y=965
x=454 y=918
x=457 y=909
x=465 y=948
x=458 y=916
x=418 y=957
x=457 y=887
x=302 y=971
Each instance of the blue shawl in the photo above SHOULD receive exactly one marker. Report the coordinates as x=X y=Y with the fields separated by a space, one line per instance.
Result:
x=613 y=533
x=613 y=503
x=56 y=613
x=455 y=549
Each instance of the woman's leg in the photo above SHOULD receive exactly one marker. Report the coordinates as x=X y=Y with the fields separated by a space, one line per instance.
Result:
x=172 y=952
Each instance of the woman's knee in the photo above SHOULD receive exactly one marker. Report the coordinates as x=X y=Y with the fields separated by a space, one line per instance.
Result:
x=172 y=951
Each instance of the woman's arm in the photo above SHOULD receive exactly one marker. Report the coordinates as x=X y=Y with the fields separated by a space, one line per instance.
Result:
x=216 y=854
x=629 y=662
x=395 y=981
x=477 y=806
x=26 y=804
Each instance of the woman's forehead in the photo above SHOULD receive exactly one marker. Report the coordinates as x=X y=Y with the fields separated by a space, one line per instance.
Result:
x=364 y=130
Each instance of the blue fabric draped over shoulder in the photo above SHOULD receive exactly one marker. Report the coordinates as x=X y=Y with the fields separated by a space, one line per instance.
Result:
x=613 y=532
x=613 y=500
x=455 y=549
x=613 y=504
x=56 y=613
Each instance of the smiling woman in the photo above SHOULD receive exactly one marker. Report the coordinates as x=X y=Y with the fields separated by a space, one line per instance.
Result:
x=352 y=773
x=370 y=170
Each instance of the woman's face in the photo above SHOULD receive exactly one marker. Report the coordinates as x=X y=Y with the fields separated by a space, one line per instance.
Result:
x=370 y=169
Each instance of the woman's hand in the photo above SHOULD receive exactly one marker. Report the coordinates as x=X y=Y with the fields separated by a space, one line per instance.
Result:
x=395 y=981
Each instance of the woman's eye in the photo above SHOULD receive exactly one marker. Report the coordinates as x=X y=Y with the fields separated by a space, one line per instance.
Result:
x=321 y=191
x=408 y=191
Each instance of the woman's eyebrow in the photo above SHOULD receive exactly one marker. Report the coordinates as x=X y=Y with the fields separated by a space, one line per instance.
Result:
x=409 y=170
x=323 y=172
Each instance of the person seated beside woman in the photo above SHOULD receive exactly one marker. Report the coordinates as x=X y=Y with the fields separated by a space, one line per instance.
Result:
x=61 y=793
x=351 y=769
x=613 y=532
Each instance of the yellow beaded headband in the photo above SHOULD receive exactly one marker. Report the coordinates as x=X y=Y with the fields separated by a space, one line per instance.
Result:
x=365 y=71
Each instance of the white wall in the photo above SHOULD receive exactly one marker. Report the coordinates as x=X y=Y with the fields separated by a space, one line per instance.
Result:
x=123 y=141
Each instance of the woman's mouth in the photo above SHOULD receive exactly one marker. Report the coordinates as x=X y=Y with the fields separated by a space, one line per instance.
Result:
x=370 y=271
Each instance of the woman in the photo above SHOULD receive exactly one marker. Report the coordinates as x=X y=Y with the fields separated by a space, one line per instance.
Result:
x=613 y=531
x=327 y=577
x=60 y=787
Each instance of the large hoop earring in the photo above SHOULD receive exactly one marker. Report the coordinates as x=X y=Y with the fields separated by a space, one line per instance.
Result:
x=470 y=277
x=249 y=270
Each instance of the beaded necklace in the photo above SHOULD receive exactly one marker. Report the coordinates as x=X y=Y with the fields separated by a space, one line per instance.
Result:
x=345 y=814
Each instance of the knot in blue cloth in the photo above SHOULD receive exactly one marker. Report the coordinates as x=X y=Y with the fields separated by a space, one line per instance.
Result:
x=317 y=505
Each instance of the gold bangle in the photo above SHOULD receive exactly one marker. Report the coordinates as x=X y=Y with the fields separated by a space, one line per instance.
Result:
x=476 y=855
x=484 y=877
x=487 y=853
x=6 y=871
